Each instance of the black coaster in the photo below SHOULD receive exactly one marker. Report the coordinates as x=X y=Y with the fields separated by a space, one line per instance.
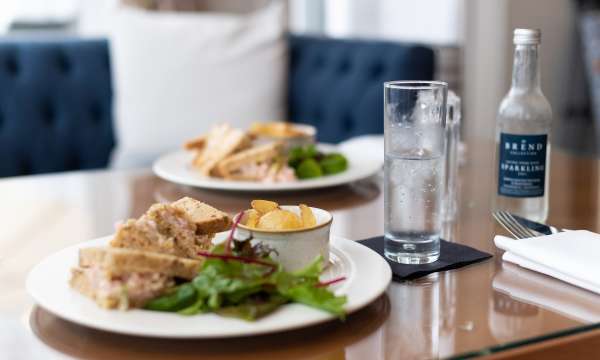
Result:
x=452 y=256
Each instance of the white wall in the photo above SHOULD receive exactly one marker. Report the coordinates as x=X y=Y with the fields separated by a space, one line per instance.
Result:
x=428 y=21
x=306 y=16
x=8 y=8
x=94 y=17
x=485 y=72
x=51 y=10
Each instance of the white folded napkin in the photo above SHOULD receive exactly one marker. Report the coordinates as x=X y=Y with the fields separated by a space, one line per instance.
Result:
x=571 y=256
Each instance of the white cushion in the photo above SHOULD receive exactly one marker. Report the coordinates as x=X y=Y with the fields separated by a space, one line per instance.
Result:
x=175 y=74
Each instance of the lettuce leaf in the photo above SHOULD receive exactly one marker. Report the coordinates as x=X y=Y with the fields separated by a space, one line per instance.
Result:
x=237 y=287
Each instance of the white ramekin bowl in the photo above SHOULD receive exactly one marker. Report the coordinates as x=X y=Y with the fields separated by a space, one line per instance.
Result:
x=296 y=248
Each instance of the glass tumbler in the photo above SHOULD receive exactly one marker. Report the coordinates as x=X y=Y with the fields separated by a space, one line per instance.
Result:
x=415 y=137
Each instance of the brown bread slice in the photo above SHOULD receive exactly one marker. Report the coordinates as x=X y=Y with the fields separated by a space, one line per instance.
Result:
x=117 y=261
x=207 y=219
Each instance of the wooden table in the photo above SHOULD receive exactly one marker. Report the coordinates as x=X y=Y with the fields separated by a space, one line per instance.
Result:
x=477 y=310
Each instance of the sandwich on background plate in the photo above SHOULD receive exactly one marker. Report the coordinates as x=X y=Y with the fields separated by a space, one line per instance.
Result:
x=259 y=163
x=232 y=154
x=220 y=142
x=148 y=254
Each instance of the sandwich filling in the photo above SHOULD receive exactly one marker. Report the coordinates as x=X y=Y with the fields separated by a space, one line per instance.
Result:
x=266 y=172
x=132 y=289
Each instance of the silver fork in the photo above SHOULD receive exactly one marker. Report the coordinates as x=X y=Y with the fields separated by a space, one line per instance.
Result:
x=511 y=225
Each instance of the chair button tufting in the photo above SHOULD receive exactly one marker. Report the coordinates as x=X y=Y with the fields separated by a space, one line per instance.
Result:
x=48 y=114
x=344 y=67
x=348 y=123
x=12 y=66
x=64 y=64
x=95 y=114
x=319 y=62
x=376 y=70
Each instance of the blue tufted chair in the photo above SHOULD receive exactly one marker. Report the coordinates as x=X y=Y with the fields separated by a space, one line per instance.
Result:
x=337 y=85
x=55 y=106
x=56 y=96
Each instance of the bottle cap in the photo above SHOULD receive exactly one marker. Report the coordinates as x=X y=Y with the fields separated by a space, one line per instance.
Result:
x=527 y=36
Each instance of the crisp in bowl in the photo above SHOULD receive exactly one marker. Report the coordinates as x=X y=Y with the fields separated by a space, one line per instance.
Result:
x=294 y=248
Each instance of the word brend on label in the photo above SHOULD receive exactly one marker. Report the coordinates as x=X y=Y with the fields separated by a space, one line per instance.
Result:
x=523 y=146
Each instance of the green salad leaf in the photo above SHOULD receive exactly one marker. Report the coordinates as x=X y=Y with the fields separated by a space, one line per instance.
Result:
x=309 y=168
x=309 y=163
x=334 y=163
x=248 y=288
x=303 y=286
x=180 y=297
x=253 y=307
x=317 y=297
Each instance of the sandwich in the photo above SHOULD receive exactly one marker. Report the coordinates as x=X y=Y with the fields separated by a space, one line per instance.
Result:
x=125 y=278
x=148 y=255
x=254 y=164
x=260 y=163
x=182 y=228
x=221 y=141
x=233 y=154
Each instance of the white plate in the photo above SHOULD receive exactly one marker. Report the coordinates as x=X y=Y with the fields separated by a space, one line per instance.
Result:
x=368 y=275
x=176 y=167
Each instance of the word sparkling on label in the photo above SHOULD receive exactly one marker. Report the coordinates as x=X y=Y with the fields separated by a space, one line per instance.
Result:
x=522 y=165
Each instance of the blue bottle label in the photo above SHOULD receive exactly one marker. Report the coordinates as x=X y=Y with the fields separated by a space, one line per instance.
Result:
x=522 y=165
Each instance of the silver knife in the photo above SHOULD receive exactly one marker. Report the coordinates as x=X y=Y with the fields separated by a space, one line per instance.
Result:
x=536 y=226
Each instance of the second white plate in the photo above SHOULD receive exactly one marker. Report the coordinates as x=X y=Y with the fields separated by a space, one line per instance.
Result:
x=176 y=167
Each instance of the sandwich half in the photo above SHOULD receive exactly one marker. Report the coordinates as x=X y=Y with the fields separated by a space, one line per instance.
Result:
x=182 y=228
x=259 y=163
x=221 y=141
x=125 y=278
x=147 y=255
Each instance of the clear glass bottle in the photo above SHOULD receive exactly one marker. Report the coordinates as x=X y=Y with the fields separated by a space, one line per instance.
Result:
x=523 y=129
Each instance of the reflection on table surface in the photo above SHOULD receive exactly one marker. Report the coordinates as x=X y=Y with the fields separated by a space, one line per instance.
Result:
x=466 y=310
x=317 y=342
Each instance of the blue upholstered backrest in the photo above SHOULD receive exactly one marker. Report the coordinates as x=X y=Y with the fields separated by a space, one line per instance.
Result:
x=55 y=106
x=56 y=96
x=337 y=85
